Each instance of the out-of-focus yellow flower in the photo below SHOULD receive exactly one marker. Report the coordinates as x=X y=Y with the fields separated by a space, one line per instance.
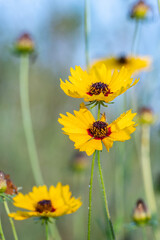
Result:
x=46 y=204
x=88 y=134
x=24 y=44
x=141 y=214
x=100 y=84
x=140 y=10
x=135 y=64
x=146 y=116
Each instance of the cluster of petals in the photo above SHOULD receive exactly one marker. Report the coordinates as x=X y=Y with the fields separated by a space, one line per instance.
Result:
x=41 y=202
x=89 y=134
x=100 y=84
x=133 y=63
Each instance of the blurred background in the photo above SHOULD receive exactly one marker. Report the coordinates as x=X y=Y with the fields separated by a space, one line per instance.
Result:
x=57 y=28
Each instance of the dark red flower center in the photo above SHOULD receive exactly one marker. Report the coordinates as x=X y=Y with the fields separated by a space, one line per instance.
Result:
x=99 y=130
x=122 y=60
x=44 y=206
x=97 y=88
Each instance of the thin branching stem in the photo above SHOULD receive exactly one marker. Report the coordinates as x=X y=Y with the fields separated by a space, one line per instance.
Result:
x=10 y=219
x=105 y=196
x=86 y=29
x=90 y=197
x=1 y=231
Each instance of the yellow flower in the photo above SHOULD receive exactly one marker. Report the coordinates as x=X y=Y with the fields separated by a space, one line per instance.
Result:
x=43 y=203
x=100 y=84
x=133 y=63
x=88 y=134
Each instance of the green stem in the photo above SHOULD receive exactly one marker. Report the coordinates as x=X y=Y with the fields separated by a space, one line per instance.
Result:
x=99 y=111
x=28 y=129
x=134 y=42
x=27 y=121
x=46 y=226
x=1 y=231
x=146 y=168
x=90 y=197
x=144 y=233
x=86 y=29
x=105 y=196
x=159 y=5
x=10 y=219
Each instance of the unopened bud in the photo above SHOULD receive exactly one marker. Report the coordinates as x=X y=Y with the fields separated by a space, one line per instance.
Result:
x=140 y=10
x=3 y=183
x=79 y=162
x=141 y=214
x=24 y=44
x=146 y=116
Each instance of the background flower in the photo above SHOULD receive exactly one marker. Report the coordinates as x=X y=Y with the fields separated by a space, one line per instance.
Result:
x=43 y=203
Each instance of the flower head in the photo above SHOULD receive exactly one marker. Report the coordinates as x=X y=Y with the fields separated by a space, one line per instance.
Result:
x=88 y=134
x=43 y=203
x=79 y=162
x=3 y=183
x=100 y=84
x=146 y=116
x=24 y=44
x=6 y=184
x=141 y=214
x=140 y=10
x=133 y=63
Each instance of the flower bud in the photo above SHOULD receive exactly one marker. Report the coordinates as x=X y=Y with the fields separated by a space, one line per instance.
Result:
x=140 y=10
x=24 y=44
x=146 y=116
x=11 y=188
x=3 y=183
x=141 y=214
x=79 y=162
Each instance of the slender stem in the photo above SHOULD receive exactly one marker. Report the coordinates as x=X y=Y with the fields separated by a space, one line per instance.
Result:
x=10 y=219
x=86 y=29
x=46 y=226
x=1 y=231
x=146 y=168
x=27 y=121
x=90 y=197
x=134 y=42
x=159 y=5
x=105 y=196
x=144 y=233
x=28 y=129
x=99 y=111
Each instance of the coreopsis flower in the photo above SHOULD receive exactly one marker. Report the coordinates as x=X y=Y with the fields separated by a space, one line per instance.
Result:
x=146 y=116
x=89 y=134
x=24 y=44
x=45 y=204
x=133 y=63
x=141 y=214
x=100 y=84
x=140 y=10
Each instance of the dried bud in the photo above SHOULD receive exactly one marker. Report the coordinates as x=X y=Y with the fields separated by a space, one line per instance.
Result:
x=146 y=116
x=3 y=183
x=140 y=10
x=141 y=214
x=24 y=44
x=11 y=188
x=79 y=162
